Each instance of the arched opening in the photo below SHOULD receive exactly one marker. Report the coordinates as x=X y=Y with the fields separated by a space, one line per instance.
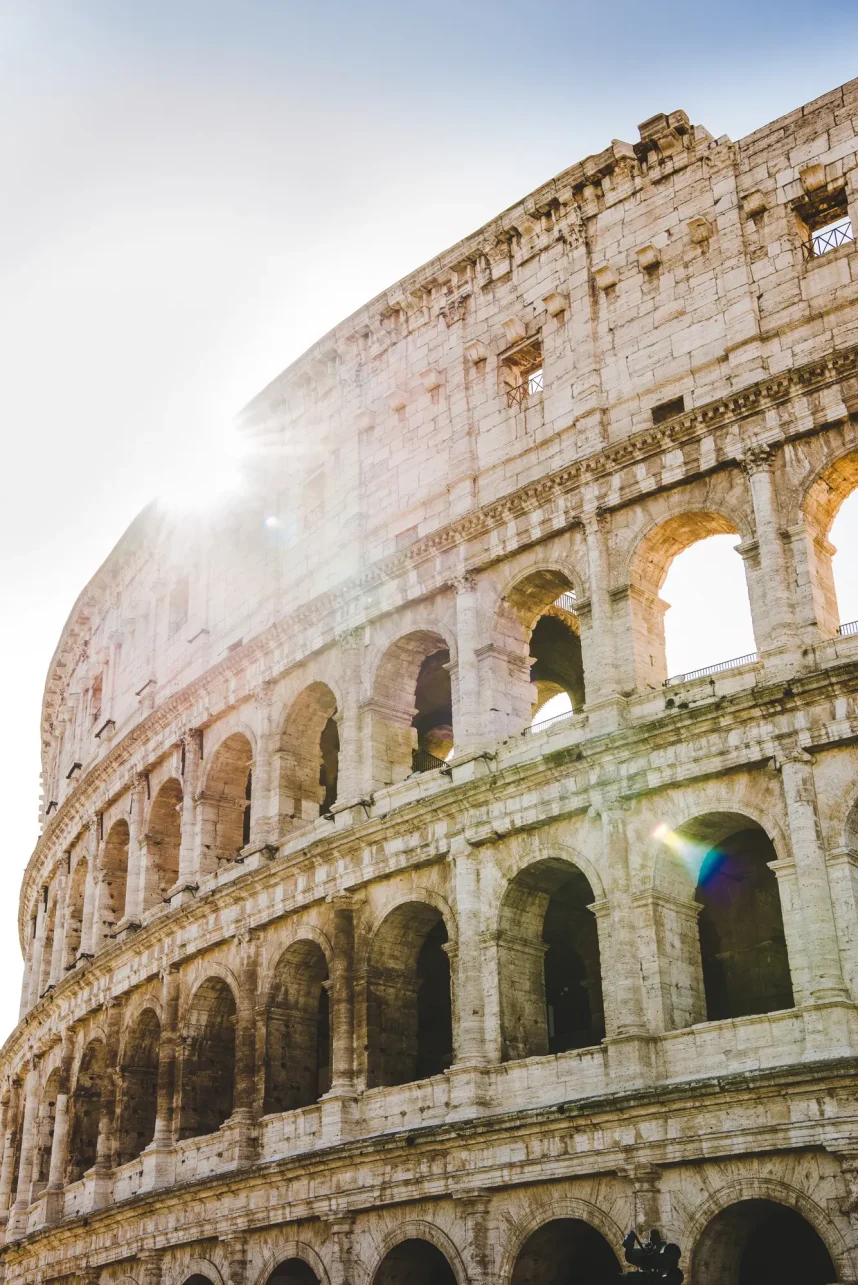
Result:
x=227 y=802
x=198 y=1279
x=139 y=1097
x=412 y=707
x=298 y=1039
x=742 y=944
x=208 y=1066
x=74 y=911
x=45 y=1132
x=688 y=598
x=566 y=1251
x=761 y=1242
x=549 y=966
x=414 y=1262
x=309 y=757
x=114 y=877
x=843 y=538
x=831 y=524
x=409 y=1007
x=539 y=663
x=163 y=841
x=92 y=1079
x=294 y=1271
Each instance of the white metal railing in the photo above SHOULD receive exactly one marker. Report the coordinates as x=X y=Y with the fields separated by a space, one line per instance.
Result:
x=547 y=722
x=566 y=602
x=846 y=630
x=750 y=659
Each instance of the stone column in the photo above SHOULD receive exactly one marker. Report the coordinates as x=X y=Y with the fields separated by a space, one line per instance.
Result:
x=150 y=1270
x=475 y=1211
x=265 y=795
x=244 y=1099
x=469 y=982
x=37 y=949
x=57 y=969
x=342 y=979
x=625 y=1008
x=90 y=894
x=135 y=897
x=349 y=771
x=341 y=1270
x=235 y=1246
x=28 y=1148
x=825 y=974
x=468 y=729
x=110 y=1090
x=597 y=641
x=188 y=856
x=60 y=1140
x=778 y=633
x=158 y=1156
x=12 y=1107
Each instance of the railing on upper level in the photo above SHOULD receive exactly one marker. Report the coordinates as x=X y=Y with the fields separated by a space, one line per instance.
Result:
x=566 y=602
x=423 y=761
x=847 y=629
x=828 y=238
x=750 y=659
x=548 y=722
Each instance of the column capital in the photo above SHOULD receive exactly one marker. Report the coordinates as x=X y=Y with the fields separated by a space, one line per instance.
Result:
x=463 y=582
x=348 y=639
x=758 y=457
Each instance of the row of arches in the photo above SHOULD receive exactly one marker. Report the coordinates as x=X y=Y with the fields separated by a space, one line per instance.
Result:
x=549 y=960
x=751 y=1242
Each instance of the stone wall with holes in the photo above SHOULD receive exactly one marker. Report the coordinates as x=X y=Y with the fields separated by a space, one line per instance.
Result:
x=259 y=1025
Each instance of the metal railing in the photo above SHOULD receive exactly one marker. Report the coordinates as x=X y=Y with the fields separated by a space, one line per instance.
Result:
x=535 y=382
x=313 y=517
x=848 y=629
x=516 y=395
x=750 y=659
x=829 y=238
x=566 y=602
x=423 y=761
x=531 y=384
x=548 y=722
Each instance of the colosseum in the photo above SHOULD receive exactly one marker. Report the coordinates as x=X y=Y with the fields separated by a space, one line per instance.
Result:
x=346 y=967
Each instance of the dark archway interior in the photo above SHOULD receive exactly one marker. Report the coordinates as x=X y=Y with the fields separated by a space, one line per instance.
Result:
x=298 y=1037
x=550 y=969
x=433 y=702
x=198 y=1279
x=434 y=1007
x=415 y=1262
x=557 y=663
x=759 y=1242
x=293 y=1272
x=208 y=1071
x=45 y=1131
x=573 y=974
x=566 y=1251
x=409 y=1008
x=329 y=749
x=86 y=1109
x=742 y=943
x=165 y=839
x=139 y=1100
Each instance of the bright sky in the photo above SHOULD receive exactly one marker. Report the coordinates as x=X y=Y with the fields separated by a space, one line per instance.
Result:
x=197 y=189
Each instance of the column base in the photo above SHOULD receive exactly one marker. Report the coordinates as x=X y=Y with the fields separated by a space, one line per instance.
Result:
x=830 y=1028
x=631 y=1061
x=471 y=765
x=244 y=1135
x=608 y=714
x=339 y=1114
x=159 y=1166
x=349 y=814
x=98 y=1188
x=181 y=893
x=53 y=1206
x=126 y=928
x=469 y=1089
x=254 y=857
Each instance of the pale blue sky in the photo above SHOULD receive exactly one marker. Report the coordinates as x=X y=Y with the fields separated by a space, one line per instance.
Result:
x=194 y=192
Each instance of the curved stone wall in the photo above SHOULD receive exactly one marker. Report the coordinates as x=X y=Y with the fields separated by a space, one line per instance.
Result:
x=339 y=964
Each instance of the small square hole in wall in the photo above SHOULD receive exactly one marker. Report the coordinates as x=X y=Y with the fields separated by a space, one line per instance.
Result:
x=667 y=410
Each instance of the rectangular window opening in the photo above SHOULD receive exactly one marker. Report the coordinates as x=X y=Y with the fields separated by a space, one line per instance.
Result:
x=667 y=410
x=522 y=373
x=824 y=223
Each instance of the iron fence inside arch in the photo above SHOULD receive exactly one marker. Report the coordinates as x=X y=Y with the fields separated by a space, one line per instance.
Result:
x=750 y=659
x=846 y=630
x=548 y=722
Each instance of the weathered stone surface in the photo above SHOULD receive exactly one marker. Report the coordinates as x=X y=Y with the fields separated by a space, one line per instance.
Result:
x=299 y=992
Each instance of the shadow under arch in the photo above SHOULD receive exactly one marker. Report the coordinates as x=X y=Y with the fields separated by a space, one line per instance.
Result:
x=562 y=1207
x=563 y=1250
x=297 y=1029
x=208 y=1061
x=409 y=1012
x=736 y=964
x=226 y=802
x=763 y=1216
x=445 y=1266
x=821 y=501
x=549 y=963
x=291 y=1252
x=309 y=757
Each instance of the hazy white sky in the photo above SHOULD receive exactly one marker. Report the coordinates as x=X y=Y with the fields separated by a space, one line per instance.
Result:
x=195 y=190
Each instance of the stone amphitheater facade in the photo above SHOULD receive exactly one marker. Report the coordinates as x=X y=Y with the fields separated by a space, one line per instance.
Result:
x=311 y=1000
